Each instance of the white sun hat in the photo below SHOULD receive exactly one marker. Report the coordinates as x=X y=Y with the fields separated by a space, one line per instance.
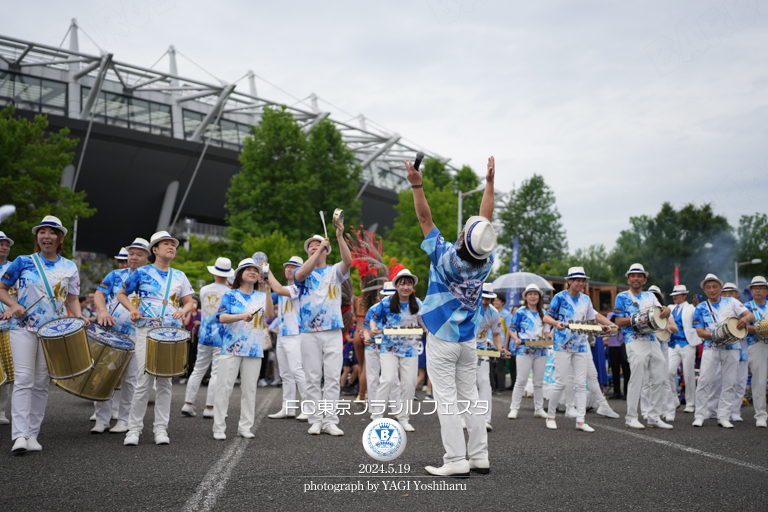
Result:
x=51 y=222
x=4 y=237
x=405 y=273
x=159 y=237
x=730 y=287
x=389 y=289
x=315 y=237
x=247 y=262
x=488 y=292
x=758 y=281
x=576 y=273
x=294 y=260
x=479 y=237
x=222 y=268
x=711 y=277
x=679 y=289
x=532 y=288
x=139 y=243
x=636 y=268
x=122 y=255
x=656 y=289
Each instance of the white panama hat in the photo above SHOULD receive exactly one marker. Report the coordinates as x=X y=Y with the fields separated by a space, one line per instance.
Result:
x=730 y=287
x=656 y=289
x=388 y=289
x=679 y=289
x=122 y=255
x=4 y=237
x=159 y=237
x=222 y=268
x=758 y=281
x=488 y=292
x=532 y=288
x=711 y=277
x=576 y=273
x=479 y=237
x=319 y=239
x=405 y=273
x=294 y=260
x=51 y=222
x=139 y=243
x=247 y=262
x=637 y=268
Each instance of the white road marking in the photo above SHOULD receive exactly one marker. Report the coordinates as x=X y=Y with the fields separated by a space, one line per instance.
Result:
x=684 y=448
x=216 y=480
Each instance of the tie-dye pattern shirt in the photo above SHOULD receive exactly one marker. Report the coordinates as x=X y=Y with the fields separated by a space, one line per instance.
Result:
x=110 y=286
x=374 y=310
x=63 y=279
x=490 y=325
x=210 y=328
x=288 y=312
x=11 y=292
x=384 y=318
x=149 y=283
x=565 y=307
x=320 y=299
x=626 y=307
x=761 y=313
x=528 y=325
x=241 y=338
x=723 y=309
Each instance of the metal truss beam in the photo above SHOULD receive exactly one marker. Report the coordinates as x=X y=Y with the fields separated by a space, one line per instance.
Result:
x=198 y=135
x=106 y=60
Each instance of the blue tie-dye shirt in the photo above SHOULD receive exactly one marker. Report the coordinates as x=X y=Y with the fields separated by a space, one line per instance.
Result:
x=11 y=292
x=563 y=308
x=528 y=325
x=490 y=325
x=725 y=308
x=453 y=309
x=210 y=328
x=320 y=299
x=374 y=310
x=384 y=318
x=626 y=307
x=149 y=283
x=241 y=338
x=109 y=287
x=288 y=312
x=761 y=312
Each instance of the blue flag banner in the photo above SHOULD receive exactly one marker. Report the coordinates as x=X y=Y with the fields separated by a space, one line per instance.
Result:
x=513 y=296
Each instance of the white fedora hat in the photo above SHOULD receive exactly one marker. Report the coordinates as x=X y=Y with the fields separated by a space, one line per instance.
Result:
x=488 y=292
x=315 y=237
x=576 y=273
x=679 y=289
x=480 y=237
x=656 y=289
x=636 y=268
x=222 y=268
x=758 y=281
x=123 y=254
x=139 y=243
x=710 y=277
x=159 y=237
x=51 y=222
x=405 y=273
x=247 y=262
x=531 y=288
x=730 y=287
x=294 y=260
x=3 y=237
x=389 y=289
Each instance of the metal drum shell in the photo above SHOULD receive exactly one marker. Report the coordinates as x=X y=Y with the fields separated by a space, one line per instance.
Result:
x=166 y=359
x=3 y=376
x=726 y=333
x=6 y=357
x=648 y=321
x=761 y=330
x=66 y=356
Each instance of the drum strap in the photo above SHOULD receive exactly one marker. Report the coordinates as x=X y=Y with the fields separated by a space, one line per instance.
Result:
x=167 y=292
x=46 y=287
x=756 y=311
x=712 y=312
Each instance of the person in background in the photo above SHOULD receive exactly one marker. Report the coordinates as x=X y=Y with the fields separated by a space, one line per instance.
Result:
x=192 y=323
x=351 y=368
x=758 y=348
x=682 y=347
x=617 y=354
x=121 y=260
x=5 y=390
x=499 y=365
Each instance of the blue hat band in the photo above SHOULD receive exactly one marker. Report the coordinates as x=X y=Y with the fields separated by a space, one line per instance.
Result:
x=49 y=223
x=573 y=276
x=140 y=246
x=222 y=269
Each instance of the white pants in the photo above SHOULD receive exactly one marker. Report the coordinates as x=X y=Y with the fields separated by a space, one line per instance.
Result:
x=322 y=357
x=229 y=366
x=483 y=382
x=144 y=388
x=667 y=405
x=392 y=367
x=122 y=398
x=291 y=371
x=5 y=395
x=729 y=364
x=593 y=385
x=452 y=366
x=372 y=368
x=524 y=366
x=740 y=388
x=206 y=356
x=565 y=362
x=687 y=356
x=646 y=357
x=30 y=387
x=758 y=363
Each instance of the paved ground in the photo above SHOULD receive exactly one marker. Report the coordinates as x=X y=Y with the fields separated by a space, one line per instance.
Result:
x=710 y=468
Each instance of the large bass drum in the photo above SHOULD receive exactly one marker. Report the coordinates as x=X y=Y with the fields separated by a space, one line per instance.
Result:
x=167 y=351
x=65 y=347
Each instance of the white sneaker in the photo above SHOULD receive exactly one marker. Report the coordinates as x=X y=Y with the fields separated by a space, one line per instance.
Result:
x=20 y=446
x=634 y=424
x=3 y=419
x=761 y=424
x=33 y=445
x=120 y=427
x=406 y=426
x=724 y=423
x=188 y=410
x=690 y=408
x=219 y=436
x=315 y=429
x=551 y=424
x=659 y=424
x=93 y=417
x=262 y=383
x=481 y=466
x=333 y=430
x=247 y=434
x=279 y=415
x=571 y=413
x=541 y=413
x=161 y=437
x=512 y=414
x=488 y=427
x=606 y=411
x=584 y=428
x=302 y=417
x=698 y=422
x=131 y=438
x=99 y=428
x=460 y=468
x=736 y=417
x=208 y=413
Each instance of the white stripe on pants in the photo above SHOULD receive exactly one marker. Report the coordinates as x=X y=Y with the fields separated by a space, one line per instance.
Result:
x=291 y=371
x=205 y=356
x=687 y=356
x=565 y=362
x=524 y=366
x=322 y=357
x=593 y=386
x=229 y=366
x=372 y=367
x=122 y=397
x=729 y=364
x=399 y=372
x=483 y=382
x=30 y=389
x=452 y=367
x=144 y=388
x=758 y=363
x=646 y=357
x=667 y=405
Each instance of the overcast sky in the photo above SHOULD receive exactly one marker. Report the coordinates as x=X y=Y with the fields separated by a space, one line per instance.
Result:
x=619 y=105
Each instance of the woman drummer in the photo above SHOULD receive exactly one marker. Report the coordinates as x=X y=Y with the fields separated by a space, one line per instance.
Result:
x=242 y=312
x=58 y=286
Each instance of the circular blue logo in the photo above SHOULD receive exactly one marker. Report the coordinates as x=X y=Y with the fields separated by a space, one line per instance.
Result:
x=384 y=439
x=173 y=334
x=61 y=327
x=109 y=337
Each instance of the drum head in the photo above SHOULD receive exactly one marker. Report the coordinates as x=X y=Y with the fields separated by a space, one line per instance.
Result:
x=109 y=337
x=739 y=333
x=61 y=327
x=169 y=334
x=661 y=322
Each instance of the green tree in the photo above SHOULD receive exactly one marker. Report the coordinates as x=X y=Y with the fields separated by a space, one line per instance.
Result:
x=202 y=253
x=279 y=248
x=437 y=171
x=31 y=165
x=753 y=243
x=532 y=216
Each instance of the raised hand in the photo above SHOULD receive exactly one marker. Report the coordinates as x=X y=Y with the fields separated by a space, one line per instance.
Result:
x=491 y=172
x=414 y=175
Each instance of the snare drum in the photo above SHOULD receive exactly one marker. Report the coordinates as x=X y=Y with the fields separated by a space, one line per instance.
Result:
x=761 y=330
x=6 y=359
x=726 y=333
x=167 y=351
x=648 y=321
x=65 y=346
x=111 y=352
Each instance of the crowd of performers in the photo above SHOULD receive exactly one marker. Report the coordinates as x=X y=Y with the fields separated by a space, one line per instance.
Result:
x=457 y=315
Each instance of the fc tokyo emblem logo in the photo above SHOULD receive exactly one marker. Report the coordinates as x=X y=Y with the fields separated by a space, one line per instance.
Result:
x=384 y=439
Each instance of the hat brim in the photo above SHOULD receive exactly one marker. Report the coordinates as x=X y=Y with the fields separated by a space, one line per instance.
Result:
x=686 y=292
x=308 y=240
x=708 y=280
x=627 y=274
x=57 y=228
x=577 y=277
x=292 y=263
x=397 y=278
x=526 y=292
x=387 y=293
x=8 y=240
x=152 y=244
x=470 y=222
x=213 y=270
x=250 y=265
x=121 y=258
x=751 y=285
x=489 y=295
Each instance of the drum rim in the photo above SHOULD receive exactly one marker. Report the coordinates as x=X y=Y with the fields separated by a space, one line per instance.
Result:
x=128 y=340
x=80 y=395
x=187 y=338
x=61 y=335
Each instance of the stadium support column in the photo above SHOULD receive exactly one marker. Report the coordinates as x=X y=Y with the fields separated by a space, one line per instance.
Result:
x=164 y=222
x=73 y=88
x=177 y=119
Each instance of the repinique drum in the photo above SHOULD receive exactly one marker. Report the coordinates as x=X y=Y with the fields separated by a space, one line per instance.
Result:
x=65 y=347
x=648 y=321
x=111 y=352
x=663 y=335
x=167 y=351
x=761 y=330
x=727 y=332
x=6 y=359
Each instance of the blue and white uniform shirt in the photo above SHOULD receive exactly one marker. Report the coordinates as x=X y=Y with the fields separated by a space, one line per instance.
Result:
x=63 y=280
x=761 y=312
x=490 y=325
x=110 y=286
x=720 y=311
x=453 y=308
x=288 y=312
x=527 y=325
x=320 y=299
x=210 y=328
x=384 y=318
x=373 y=310
x=563 y=308
x=11 y=292
x=679 y=339
x=241 y=338
x=627 y=304
x=506 y=321
x=150 y=283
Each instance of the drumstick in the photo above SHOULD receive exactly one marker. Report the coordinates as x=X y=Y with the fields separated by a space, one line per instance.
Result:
x=322 y=217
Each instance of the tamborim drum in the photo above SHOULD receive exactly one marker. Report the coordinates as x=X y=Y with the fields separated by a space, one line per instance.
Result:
x=726 y=333
x=111 y=353
x=167 y=351
x=648 y=321
x=761 y=330
x=65 y=347
x=6 y=359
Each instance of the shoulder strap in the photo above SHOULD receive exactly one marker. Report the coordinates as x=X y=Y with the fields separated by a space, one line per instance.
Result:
x=756 y=311
x=46 y=287
x=167 y=291
x=712 y=311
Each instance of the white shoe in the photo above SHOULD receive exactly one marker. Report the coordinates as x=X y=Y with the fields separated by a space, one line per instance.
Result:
x=161 y=437
x=315 y=429
x=634 y=424
x=724 y=423
x=120 y=427
x=33 y=445
x=571 y=412
x=488 y=427
x=481 y=466
x=279 y=415
x=99 y=428
x=659 y=424
x=512 y=414
x=541 y=413
x=698 y=422
x=208 y=413
x=460 y=468
x=584 y=428
x=188 y=410
x=93 y=417
x=262 y=383
x=20 y=446
x=606 y=411
x=302 y=417
x=247 y=434
x=551 y=424
x=736 y=417
x=3 y=419
x=219 y=436
x=689 y=408
x=761 y=424
x=669 y=418
x=131 y=438
x=406 y=426
x=333 y=430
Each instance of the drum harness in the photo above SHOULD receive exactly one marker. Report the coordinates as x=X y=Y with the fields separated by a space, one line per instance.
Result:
x=165 y=301
x=44 y=285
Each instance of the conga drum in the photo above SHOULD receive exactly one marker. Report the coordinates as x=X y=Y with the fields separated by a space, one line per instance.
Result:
x=111 y=353
x=7 y=373
x=167 y=351
x=65 y=347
